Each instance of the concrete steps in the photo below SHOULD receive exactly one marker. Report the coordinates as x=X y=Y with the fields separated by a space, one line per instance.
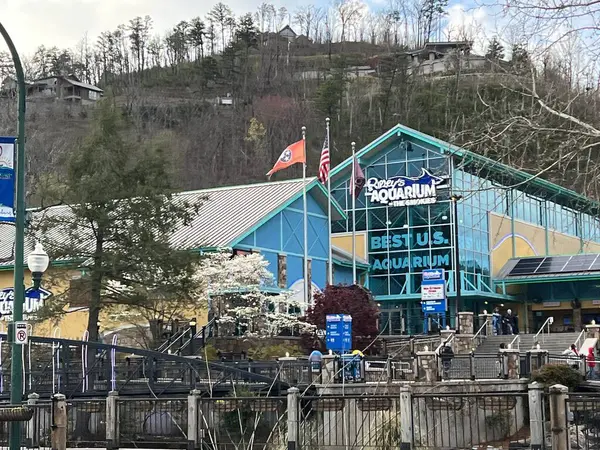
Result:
x=555 y=343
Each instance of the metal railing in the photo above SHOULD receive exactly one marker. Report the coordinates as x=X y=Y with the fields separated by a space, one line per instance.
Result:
x=516 y=342
x=580 y=339
x=549 y=321
x=447 y=341
x=480 y=336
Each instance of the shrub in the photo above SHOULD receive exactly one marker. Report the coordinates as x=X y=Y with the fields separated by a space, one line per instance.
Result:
x=263 y=353
x=552 y=374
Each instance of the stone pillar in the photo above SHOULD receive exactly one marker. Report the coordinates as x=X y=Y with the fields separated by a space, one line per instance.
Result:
x=536 y=415
x=510 y=363
x=193 y=405
x=33 y=425
x=487 y=319
x=427 y=367
x=537 y=359
x=593 y=331
x=463 y=344
x=445 y=335
x=112 y=420
x=282 y=271
x=293 y=399
x=59 y=422
x=287 y=371
x=406 y=419
x=577 y=318
x=465 y=323
x=328 y=369
x=558 y=417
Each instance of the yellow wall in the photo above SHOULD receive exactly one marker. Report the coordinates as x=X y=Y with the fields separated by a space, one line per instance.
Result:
x=344 y=241
x=74 y=323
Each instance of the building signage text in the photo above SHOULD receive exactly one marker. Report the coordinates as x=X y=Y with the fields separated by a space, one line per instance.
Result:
x=404 y=191
x=34 y=300
x=403 y=240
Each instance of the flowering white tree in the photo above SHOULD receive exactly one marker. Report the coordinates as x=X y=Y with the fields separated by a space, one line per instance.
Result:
x=238 y=289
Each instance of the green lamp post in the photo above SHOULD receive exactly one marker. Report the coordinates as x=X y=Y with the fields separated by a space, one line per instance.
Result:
x=16 y=382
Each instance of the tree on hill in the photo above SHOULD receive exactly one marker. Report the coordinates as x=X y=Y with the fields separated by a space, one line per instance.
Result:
x=495 y=50
x=118 y=215
x=353 y=300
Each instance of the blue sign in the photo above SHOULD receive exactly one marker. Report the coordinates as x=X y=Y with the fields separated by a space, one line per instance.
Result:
x=34 y=300
x=433 y=291
x=7 y=179
x=405 y=191
x=339 y=332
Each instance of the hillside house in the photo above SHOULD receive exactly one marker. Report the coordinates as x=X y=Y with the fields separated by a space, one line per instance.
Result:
x=287 y=33
x=67 y=88
x=439 y=57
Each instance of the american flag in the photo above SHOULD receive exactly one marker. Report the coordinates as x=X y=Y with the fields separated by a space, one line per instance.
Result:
x=324 y=163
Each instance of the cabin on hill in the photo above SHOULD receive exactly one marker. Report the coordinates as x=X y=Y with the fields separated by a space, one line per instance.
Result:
x=58 y=87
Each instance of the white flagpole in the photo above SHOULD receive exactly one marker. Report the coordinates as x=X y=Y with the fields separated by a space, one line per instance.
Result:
x=330 y=272
x=306 y=287
x=353 y=180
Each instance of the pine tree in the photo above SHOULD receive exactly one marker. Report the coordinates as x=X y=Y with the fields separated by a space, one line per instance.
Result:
x=495 y=50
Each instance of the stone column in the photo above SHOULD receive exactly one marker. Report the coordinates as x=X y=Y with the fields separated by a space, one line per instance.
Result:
x=33 y=425
x=287 y=370
x=510 y=363
x=406 y=419
x=536 y=415
x=487 y=319
x=427 y=367
x=465 y=323
x=593 y=331
x=193 y=418
x=59 y=422
x=328 y=369
x=293 y=416
x=282 y=271
x=446 y=335
x=558 y=417
x=537 y=359
x=112 y=420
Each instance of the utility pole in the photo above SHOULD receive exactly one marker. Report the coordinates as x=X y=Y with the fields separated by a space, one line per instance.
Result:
x=16 y=380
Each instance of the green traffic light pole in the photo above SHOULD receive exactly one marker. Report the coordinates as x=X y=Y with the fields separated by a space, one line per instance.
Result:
x=16 y=376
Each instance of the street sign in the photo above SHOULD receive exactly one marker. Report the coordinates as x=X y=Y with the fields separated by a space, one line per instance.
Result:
x=433 y=291
x=21 y=333
x=339 y=332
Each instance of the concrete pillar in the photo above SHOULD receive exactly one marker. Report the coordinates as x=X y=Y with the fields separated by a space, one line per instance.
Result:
x=193 y=405
x=558 y=417
x=463 y=344
x=427 y=367
x=406 y=420
x=536 y=415
x=577 y=317
x=328 y=369
x=112 y=420
x=33 y=428
x=287 y=370
x=593 y=331
x=59 y=422
x=465 y=323
x=537 y=359
x=446 y=335
x=487 y=319
x=510 y=363
x=293 y=418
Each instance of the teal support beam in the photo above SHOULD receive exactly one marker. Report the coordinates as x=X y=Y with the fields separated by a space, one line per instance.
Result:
x=512 y=222
x=546 y=233
x=16 y=380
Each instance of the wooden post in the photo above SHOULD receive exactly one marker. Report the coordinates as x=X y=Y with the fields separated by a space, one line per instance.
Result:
x=558 y=417
x=33 y=428
x=59 y=423
x=293 y=402
x=536 y=415
x=406 y=431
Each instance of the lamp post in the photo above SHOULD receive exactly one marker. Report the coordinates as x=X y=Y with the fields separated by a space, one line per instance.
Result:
x=16 y=393
x=455 y=199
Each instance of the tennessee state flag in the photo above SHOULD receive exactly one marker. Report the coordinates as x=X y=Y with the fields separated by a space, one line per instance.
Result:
x=290 y=156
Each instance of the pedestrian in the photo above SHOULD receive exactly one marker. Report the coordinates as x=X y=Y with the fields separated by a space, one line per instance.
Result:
x=591 y=363
x=508 y=322
x=496 y=322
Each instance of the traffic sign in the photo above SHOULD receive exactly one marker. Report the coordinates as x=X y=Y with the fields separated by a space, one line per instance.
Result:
x=21 y=333
x=433 y=291
x=339 y=332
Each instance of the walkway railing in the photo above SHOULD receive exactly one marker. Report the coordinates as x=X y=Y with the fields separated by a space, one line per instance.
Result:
x=544 y=330
x=481 y=334
x=516 y=342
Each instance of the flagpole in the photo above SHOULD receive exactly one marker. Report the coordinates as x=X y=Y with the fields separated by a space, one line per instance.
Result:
x=305 y=219
x=353 y=180
x=330 y=272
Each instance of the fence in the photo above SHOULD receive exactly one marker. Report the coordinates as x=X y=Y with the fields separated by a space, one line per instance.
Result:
x=583 y=416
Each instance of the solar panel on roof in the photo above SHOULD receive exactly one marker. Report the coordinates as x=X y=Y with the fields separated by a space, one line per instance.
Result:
x=579 y=263
x=553 y=264
x=595 y=265
x=526 y=266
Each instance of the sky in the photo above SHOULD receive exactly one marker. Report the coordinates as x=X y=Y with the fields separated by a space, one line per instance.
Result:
x=63 y=23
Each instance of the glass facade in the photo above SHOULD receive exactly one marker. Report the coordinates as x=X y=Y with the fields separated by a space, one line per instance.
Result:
x=402 y=241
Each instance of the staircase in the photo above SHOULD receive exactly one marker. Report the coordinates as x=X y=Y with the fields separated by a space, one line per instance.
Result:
x=555 y=343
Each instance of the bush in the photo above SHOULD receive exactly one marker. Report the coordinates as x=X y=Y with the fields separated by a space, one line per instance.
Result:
x=263 y=353
x=209 y=353
x=552 y=374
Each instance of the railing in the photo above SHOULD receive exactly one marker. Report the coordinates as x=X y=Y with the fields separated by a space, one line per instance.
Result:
x=177 y=337
x=580 y=339
x=549 y=321
x=516 y=342
x=202 y=334
x=447 y=341
x=481 y=334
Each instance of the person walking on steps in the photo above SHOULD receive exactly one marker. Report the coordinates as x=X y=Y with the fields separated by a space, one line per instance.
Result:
x=591 y=364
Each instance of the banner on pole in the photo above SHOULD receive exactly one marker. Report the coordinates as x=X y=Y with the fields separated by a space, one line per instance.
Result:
x=7 y=179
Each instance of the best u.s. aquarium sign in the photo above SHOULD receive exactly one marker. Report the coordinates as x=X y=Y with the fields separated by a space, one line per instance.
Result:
x=405 y=191
x=34 y=300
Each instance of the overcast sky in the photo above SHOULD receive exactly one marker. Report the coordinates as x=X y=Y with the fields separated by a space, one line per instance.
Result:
x=63 y=23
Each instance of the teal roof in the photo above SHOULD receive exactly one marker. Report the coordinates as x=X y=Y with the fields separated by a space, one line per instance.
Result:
x=492 y=169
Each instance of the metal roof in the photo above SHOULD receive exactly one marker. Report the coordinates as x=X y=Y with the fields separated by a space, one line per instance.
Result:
x=225 y=216
x=344 y=257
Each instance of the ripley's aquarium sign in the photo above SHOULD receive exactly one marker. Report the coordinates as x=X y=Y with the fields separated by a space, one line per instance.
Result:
x=405 y=191
x=34 y=300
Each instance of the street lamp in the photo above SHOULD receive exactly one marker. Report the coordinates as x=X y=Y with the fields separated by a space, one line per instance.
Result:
x=37 y=262
x=16 y=394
